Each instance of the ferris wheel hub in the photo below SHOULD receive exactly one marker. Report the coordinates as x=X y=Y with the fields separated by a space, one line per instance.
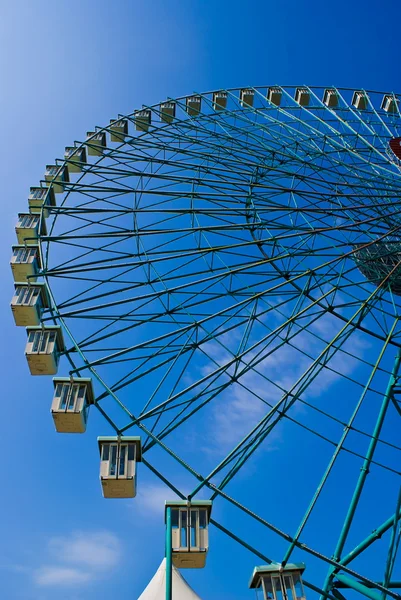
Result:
x=380 y=262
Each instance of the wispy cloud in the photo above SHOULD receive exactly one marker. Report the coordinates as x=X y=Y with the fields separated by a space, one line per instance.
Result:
x=241 y=407
x=61 y=576
x=78 y=558
x=151 y=498
x=95 y=550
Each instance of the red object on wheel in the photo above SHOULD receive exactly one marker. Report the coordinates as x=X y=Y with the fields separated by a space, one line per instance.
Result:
x=395 y=145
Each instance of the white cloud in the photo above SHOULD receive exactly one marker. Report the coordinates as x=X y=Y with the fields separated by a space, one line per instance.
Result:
x=79 y=558
x=61 y=576
x=239 y=410
x=151 y=498
x=95 y=550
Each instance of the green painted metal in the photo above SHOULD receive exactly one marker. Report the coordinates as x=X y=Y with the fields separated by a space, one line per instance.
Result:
x=262 y=556
x=365 y=468
x=338 y=595
x=169 y=559
x=303 y=546
x=200 y=253
x=359 y=587
x=375 y=535
x=339 y=447
x=392 y=551
x=392 y=584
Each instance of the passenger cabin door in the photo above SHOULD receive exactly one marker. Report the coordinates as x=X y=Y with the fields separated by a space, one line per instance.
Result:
x=72 y=397
x=41 y=342
x=189 y=526
x=27 y=295
x=119 y=457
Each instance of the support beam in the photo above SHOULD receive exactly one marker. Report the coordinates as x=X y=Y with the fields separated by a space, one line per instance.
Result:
x=338 y=594
x=393 y=547
x=268 y=561
x=364 y=471
x=169 y=558
x=394 y=585
x=359 y=587
x=375 y=535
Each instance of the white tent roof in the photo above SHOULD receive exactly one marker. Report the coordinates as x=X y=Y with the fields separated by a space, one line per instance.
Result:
x=156 y=589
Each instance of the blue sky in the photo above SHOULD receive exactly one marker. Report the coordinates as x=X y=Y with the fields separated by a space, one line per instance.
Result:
x=66 y=67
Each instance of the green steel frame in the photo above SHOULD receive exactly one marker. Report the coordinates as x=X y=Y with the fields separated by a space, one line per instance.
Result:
x=169 y=558
x=217 y=244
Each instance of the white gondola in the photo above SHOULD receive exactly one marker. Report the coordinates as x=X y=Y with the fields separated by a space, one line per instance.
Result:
x=41 y=197
x=302 y=96
x=274 y=582
x=220 y=100
x=390 y=103
x=142 y=119
x=76 y=158
x=246 y=97
x=25 y=262
x=360 y=100
x=43 y=349
x=28 y=303
x=96 y=143
x=118 y=458
x=274 y=95
x=193 y=105
x=58 y=176
x=118 y=129
x=190 y=532
x=167 y=112
x=330 y=98
x=27 y=228
x=71 y=401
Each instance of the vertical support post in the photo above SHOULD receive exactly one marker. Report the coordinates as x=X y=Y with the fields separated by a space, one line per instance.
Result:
x=392 y=551
x=364 y=473
x=358 y=587
x=169 y=552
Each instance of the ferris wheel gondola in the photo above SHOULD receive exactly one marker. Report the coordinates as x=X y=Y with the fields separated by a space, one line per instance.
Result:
x=221 y=267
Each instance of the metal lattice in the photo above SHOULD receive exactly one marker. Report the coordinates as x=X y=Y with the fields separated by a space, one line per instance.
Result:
x=227 y=271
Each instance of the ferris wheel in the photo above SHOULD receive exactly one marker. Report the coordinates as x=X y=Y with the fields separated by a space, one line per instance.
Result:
x=220 y=276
